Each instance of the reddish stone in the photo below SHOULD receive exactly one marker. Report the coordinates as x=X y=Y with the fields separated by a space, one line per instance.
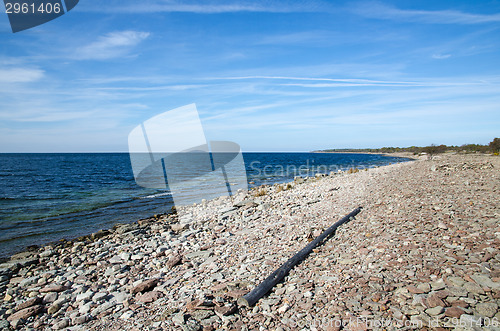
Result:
x=29 y=303
x=442 y=294
x=218 y=287
x=135 y=306
x=453 y=312
x=148 y=297
x=434 y=301
x=25 y=313
x=195 y=304
x=414 y=290
x=226 y=310
x=236 y=293
x=460 y=303
x=53 y=288
x=145 y=286
x=174 y=260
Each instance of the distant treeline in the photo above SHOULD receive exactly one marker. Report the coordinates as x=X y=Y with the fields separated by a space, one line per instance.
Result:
x=492 y=147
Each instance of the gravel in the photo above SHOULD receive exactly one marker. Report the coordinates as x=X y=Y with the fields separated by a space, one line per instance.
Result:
x=423 y=253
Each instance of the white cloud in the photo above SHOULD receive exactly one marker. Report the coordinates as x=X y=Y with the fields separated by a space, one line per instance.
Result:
x=307 y=37
x=20 y=75
x=441 y=56
x=207 y=7
x=111 y=45
x=330 y=82
x=383 y=11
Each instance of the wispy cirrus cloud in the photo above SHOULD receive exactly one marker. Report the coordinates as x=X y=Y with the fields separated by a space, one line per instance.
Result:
x=440 y=56
x=380 y=10
x=20 y=75
x=206 y=7
x=111 y=45
x=322 y=82
x=303 y=37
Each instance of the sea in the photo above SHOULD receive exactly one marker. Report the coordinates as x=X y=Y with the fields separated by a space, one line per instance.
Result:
x=48 y=197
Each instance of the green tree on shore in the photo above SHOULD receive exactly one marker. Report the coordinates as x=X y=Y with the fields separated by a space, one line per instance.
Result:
x=495 y=145
x=434 y=149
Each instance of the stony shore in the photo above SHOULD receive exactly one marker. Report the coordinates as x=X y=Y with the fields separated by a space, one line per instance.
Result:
x=423 y=253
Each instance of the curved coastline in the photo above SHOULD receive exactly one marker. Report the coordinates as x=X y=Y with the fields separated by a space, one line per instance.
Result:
x=172 y=272
x=115 y=212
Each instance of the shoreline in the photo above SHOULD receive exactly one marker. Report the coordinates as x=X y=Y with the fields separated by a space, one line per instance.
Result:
x=406 y=155
x=78 y=237
x=222 y=252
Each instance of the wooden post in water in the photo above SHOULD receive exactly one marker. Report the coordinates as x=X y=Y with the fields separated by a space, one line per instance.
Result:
x=252 y=297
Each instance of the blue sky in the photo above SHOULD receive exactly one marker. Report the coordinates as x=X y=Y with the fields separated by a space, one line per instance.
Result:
x=269 y=75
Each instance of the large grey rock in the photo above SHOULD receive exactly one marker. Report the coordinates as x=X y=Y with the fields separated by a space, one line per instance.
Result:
x=115 y=259
x=470 y=321
x=487 y=309
x=121 y=229
x=457 y=281
x=23 y=256
x=438 y=285
x=178 y=319
x=435 y=311
x=9 y=267
x=485 y=281
x=120 y=297
x=81 y=319
x=199 y=254
x=457 y=291
x=63 y=323
x=87 y=296
x=47 y=253
x=473 y=288
x=99 y=296
x=84 y=309
x=50 y=297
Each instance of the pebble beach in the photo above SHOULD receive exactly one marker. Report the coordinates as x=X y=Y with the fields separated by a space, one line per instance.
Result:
x=422 y=254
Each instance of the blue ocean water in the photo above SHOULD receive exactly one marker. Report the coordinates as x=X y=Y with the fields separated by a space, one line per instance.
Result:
x=47 y=197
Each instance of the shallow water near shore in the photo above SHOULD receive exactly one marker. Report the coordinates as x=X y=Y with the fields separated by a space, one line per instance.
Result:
x=47 y=197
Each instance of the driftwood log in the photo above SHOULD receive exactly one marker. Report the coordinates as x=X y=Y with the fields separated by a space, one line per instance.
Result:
x=252 y=297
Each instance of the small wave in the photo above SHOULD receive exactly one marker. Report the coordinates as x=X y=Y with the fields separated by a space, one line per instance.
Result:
x=31 y=235
x=22 y=223
x=152 y=196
